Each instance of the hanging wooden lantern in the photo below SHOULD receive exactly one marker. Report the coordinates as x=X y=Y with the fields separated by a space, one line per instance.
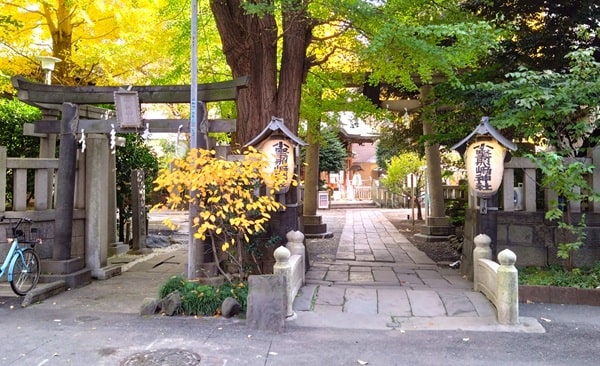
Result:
x=484 y=160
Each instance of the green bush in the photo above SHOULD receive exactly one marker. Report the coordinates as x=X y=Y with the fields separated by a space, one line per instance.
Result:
x=201 y=299
x=556 y=275
x=175 y=283
x=455 y=210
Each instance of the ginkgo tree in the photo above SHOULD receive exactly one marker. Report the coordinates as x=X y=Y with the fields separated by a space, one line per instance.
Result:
x=399 y=168
x=226 y=192
x=99 y=42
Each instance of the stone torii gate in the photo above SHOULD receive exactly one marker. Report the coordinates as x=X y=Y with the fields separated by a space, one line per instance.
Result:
x=99 y=232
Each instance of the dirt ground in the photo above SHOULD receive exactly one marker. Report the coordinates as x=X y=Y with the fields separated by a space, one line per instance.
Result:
x=440 y=252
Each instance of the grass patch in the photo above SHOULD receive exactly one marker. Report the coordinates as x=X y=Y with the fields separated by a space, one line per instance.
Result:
x=201 y=299
x=556 y=275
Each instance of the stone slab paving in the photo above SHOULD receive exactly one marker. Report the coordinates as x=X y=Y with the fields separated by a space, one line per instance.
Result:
x=379 y=280
x=393 y=302
x=360 y=300
x=330 y=296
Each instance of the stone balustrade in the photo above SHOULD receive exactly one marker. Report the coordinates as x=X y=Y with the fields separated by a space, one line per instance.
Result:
x=271 y=297
x=498 y=282
x=291 y=263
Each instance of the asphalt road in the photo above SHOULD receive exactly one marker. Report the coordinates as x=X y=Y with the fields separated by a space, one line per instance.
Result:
x=66 y=337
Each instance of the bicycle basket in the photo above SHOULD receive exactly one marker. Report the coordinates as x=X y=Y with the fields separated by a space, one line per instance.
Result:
x=25 y=233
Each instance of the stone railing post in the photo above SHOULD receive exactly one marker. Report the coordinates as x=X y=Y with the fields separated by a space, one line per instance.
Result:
x=507 y=301
x=295 y=244
x=482 y=251
x=282 y=267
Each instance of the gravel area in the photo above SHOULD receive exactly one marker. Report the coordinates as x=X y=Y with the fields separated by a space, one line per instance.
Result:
x=440 y=252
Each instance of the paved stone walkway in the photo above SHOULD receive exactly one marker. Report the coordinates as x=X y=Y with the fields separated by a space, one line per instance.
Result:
x=380 y=280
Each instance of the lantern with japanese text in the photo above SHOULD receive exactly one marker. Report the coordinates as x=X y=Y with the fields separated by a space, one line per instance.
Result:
x=281 y=147
x=484 y=160
x=280 y=153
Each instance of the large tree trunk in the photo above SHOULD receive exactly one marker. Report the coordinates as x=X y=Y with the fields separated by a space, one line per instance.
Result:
x=59 y=22
x=250 y=46
x=294 y=63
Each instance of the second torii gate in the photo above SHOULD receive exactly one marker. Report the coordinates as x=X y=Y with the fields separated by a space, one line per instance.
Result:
x=68 y=99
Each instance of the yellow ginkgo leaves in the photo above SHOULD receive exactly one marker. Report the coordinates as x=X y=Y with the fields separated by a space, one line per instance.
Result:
x=226 y=194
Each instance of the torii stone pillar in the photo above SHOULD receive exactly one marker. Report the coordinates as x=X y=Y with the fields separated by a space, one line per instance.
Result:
x=312 y=224
x=62 y=266
x=115 y=247
x=65 y=184
x=437 y=225
x=97 y=197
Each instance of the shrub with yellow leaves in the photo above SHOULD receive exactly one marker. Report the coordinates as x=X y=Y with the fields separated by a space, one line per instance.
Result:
x=226 y=193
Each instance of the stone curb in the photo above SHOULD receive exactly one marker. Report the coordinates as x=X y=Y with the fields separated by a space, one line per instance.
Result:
x=43 y=291
x=559 y=295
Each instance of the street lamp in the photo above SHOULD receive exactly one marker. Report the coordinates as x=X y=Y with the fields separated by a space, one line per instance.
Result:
x=48 y=63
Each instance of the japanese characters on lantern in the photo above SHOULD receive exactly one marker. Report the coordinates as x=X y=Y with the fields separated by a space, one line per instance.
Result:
x=281 y=155
x=485 y=166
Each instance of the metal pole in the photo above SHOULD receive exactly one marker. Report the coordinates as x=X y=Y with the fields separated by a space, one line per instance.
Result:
x=193 y=261
x=194 y=77
x=412 y=197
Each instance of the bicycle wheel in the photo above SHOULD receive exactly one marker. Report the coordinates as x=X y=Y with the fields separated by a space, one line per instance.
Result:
x=25 y=272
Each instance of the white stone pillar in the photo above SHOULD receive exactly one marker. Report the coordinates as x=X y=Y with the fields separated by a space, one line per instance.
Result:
x=282 y=267
x=529 y=188
x=508 y=186
x=112 y=198
x=507 y=301
x=295 y=245
x=482 y=251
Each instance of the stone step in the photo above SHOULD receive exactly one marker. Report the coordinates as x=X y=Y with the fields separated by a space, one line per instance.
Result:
x=353 y=205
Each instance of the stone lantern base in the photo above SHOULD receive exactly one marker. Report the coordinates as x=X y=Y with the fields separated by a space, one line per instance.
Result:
x=436 y=229
x=314 y=228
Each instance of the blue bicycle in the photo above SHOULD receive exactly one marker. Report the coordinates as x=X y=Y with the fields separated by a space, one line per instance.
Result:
x=22 y=262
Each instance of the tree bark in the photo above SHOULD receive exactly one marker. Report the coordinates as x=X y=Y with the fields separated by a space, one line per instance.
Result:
x=250 y=47
x=297 y=36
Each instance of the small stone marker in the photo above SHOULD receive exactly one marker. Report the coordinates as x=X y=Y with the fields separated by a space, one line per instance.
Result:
x=149 y=306
x=266 y=302
x=171 y=303
x=230 y=307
